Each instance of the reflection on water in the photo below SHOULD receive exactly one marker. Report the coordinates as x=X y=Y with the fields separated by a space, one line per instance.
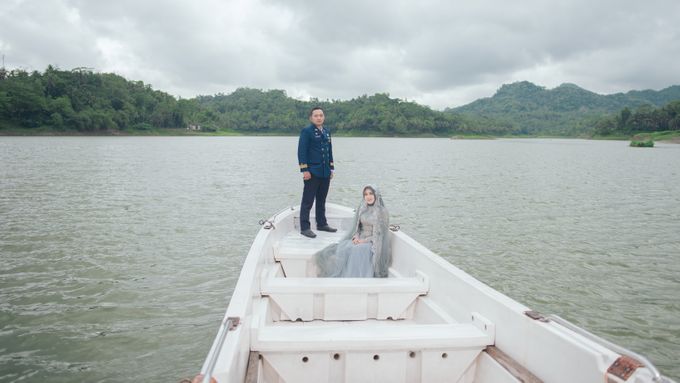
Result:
x=118 y=255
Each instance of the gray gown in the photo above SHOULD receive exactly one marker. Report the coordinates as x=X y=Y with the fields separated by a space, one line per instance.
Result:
x=364 y=260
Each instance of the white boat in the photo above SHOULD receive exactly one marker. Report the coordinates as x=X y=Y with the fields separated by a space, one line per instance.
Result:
x=427 y=322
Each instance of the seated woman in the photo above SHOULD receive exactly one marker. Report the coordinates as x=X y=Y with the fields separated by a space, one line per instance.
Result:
x=365 y=252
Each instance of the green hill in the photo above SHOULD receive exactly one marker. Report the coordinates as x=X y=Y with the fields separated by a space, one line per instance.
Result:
x=81 y=101
x=567 y=110
x=266 y=112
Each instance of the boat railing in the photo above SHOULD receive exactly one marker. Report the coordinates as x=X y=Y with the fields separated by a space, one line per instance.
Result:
x=656 y=376
x=227 y=325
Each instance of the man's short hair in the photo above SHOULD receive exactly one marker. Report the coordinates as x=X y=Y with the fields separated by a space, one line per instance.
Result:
x=313 y=109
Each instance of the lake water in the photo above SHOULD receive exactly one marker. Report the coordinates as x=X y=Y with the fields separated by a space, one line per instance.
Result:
x=118 y=255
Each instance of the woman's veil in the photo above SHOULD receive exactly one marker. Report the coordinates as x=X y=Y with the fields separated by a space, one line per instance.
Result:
x=382 y=249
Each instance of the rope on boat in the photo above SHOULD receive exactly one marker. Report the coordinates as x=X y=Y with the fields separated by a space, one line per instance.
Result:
x=267 y=224
x=395 y=227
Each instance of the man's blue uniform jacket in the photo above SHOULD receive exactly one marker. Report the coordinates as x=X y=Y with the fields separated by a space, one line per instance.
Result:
x=315 y=151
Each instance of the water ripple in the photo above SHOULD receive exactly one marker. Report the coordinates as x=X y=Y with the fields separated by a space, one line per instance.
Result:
x=119 y=254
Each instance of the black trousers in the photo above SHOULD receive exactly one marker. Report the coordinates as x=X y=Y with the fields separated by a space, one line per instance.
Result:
x=315 y=188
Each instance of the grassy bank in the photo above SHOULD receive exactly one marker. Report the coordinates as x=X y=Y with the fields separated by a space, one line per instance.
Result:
x=669 y=135
x=19 y=131
x=473 y=137
x=41 y=131
x=13 y=130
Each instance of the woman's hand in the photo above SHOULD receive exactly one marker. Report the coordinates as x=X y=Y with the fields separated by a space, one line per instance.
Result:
x=356 y=240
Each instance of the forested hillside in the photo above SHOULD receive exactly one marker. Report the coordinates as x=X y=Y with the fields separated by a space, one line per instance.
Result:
x=81 y=101
x=567 y=110
x=84 y=101
x=645 y=119
x=256 y=111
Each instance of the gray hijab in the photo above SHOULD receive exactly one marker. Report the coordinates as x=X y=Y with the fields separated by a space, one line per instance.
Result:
x=331 y=260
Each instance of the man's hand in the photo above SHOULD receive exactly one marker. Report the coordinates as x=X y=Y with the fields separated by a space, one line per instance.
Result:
x=306 y=175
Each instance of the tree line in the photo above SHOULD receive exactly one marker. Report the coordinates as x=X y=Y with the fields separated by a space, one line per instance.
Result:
x=84 y=101
x=257 y=111
x=81 y=100
x=566 y=110
x=645 y=119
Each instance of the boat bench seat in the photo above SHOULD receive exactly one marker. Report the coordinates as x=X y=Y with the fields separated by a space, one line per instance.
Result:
x=370 y=337
x=296 y=252
x=308 y=299
x=401 y=354
x=371 y=350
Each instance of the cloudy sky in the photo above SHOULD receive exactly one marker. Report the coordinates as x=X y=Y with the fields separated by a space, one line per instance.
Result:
x=438 y=53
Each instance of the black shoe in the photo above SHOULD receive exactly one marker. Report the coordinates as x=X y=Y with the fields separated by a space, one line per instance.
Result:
x=327 y=228
x=308 y=233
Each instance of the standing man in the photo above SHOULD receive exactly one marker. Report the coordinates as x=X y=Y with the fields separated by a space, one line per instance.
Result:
x=315 y=155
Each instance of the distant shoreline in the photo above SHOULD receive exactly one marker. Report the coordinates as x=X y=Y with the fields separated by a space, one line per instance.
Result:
x=668 y=137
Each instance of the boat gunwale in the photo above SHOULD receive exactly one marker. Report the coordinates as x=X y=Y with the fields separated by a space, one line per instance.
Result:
x=243 y=300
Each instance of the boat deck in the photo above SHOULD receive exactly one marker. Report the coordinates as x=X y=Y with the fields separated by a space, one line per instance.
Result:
x=303 y=319
x=296 y=243
x=427 y=322
x=295 y=251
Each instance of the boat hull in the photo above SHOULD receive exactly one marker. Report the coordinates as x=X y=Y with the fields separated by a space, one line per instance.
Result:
x=455 y=329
